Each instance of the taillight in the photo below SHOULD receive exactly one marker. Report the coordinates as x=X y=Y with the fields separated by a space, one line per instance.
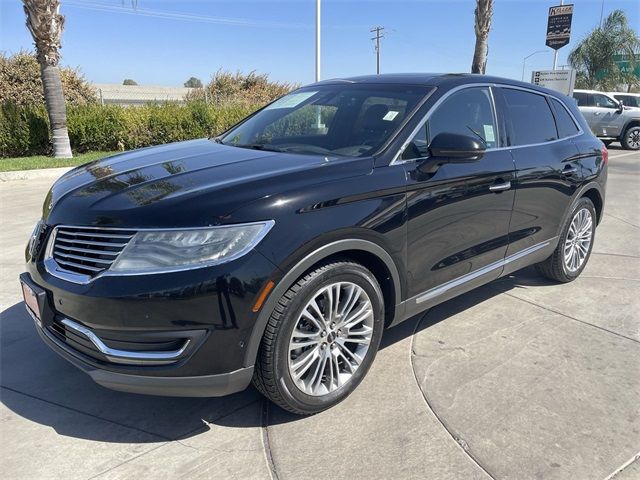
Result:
x=605 y=155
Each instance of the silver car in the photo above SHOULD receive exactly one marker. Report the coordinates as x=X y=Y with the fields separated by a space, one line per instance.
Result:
x=608 y=119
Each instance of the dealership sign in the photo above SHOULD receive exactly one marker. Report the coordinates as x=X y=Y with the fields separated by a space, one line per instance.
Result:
x=558 y=80
x=559 y=26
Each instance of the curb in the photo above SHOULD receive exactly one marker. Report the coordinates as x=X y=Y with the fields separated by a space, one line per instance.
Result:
x=52 y=173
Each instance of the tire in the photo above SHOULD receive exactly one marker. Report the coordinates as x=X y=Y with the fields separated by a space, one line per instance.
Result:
x=309 y=393
x=631 y=138
x=562 y=266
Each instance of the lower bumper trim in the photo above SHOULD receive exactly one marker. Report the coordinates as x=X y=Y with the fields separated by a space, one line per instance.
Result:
x=201 y=386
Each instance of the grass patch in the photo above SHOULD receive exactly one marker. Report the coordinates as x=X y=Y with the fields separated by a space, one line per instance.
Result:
x=43 y=161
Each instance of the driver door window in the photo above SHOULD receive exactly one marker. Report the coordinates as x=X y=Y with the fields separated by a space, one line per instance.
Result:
x=466 y=112
x=603 y=101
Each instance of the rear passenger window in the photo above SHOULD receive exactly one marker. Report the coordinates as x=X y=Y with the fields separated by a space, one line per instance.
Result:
x=564 y=122
x=583 y=99
x=530 y=118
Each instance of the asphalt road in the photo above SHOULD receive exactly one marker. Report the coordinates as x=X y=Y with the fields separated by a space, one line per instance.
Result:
x=520 y=379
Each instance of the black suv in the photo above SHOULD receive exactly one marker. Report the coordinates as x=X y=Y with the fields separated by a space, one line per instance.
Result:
x=279 y=251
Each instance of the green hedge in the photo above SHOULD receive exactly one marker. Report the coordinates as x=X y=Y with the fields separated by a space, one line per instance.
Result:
x=25 y=130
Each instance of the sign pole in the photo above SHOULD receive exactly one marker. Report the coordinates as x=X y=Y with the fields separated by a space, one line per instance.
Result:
x=317 y=40
x=555 y=52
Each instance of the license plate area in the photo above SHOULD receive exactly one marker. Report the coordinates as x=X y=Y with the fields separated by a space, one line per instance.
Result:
x=36 y=301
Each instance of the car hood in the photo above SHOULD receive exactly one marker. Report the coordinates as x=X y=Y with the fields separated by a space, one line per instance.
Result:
x=193 y=183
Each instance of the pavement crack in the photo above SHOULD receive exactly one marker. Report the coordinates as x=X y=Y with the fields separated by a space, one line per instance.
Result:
x=160 y=437
x=621 y=468
x=624 y=255
x=584 y=322
x=460 y=442
x=623 y=220
x=265 y=440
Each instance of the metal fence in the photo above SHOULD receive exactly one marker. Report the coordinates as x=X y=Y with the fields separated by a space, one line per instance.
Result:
x=114 y=94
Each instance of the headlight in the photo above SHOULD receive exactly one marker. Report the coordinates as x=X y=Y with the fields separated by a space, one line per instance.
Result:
x=167 y=250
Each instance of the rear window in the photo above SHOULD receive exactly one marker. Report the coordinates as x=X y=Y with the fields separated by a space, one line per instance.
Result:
x=566 y=126
x=530 y=118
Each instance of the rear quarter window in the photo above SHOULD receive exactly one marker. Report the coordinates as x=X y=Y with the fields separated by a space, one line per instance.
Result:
x=565 y=123
x=529 y=118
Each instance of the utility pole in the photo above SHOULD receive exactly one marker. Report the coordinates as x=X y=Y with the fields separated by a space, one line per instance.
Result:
x=317 y=40
x=379 y=31
x=555 y=52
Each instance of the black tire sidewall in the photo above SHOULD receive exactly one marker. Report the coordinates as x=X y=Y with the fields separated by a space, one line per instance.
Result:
x=582 y=203
x=626 y=135
x=347 y=272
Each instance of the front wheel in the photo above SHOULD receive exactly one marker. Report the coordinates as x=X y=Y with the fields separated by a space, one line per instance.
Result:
x=631 y=138
x=575 y=245
x=321 y=338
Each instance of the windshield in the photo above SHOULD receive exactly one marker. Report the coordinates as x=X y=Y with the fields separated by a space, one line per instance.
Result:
x=346 y=119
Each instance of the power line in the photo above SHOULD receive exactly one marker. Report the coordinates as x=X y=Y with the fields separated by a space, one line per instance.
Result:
x=379 y=31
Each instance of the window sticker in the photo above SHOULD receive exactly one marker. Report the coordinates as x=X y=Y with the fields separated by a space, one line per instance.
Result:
x=488 y=133
x=391 y=114
x=292 y=100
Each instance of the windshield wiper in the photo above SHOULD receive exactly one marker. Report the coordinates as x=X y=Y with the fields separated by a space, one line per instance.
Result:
x=216 y=139
x=477 y=134
x=258 y=146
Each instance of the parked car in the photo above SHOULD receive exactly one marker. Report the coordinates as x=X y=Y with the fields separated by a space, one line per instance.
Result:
x=608 y=118
x=280 y=250
x=631 y=100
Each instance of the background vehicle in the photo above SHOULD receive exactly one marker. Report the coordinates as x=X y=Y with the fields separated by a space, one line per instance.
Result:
x=282 y=249
x=608 y=119
x=631 y=100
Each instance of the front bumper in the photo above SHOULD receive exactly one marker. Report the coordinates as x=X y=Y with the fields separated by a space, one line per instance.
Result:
x=179 y=334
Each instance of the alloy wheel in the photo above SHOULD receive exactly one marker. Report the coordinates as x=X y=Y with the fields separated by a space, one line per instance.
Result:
x=331 y=338
x=578 y=241
x=633 y=138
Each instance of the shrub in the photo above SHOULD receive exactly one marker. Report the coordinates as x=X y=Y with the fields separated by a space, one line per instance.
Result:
x=93 y=127
x=20 y=82
x=240 y=88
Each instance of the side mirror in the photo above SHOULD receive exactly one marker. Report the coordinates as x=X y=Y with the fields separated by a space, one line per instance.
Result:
x=620 y=107
x=456 y=148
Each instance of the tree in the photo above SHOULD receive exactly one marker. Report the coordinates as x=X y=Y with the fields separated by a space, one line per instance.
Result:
x=593 y=58
x=483 y=14
x=46 y=24
x=193 y=82
x=128 y=81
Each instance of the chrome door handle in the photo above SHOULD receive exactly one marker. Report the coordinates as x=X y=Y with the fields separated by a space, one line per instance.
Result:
x=569 y=170
x=500 y=187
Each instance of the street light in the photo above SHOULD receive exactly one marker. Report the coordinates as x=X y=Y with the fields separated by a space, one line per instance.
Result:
x=524 y=60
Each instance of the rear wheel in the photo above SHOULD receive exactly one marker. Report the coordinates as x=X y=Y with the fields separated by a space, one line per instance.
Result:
x=321 y=338
x=631 y=138
x=575 y=245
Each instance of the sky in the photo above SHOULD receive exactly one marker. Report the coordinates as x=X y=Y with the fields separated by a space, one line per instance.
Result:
x=163 y=42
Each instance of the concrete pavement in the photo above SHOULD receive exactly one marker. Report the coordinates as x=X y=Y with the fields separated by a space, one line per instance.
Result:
x=519 y=379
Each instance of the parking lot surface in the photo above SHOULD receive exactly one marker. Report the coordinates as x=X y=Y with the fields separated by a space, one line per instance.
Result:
x=520 y=379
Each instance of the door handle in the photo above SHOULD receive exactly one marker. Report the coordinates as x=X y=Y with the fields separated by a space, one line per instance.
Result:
x=500 y=187
x=569 y=170
x=596 y=113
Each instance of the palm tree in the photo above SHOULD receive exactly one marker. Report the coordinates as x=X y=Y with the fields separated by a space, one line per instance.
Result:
x=483 y=14
x=593 y=57
x=46 y=24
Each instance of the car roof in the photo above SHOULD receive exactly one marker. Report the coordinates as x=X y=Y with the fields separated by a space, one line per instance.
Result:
x=446 y=80
x=580 y=90
x=631 y=94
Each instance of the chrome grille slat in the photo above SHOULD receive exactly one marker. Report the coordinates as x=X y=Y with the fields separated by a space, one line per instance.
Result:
x=78 y=265
x=97 y=234
x=58 y=253
x=92 y=243
x=88 y=251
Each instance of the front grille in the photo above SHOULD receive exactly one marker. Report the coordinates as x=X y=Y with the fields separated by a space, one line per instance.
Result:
x=88 y=251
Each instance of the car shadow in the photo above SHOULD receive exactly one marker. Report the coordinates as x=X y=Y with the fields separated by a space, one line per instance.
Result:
x=38 y=385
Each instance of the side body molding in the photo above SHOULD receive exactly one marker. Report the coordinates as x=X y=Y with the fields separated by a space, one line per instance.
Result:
x=294 y=273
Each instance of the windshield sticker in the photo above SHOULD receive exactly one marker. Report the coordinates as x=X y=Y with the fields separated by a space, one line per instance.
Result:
x=488 y=133
x=391 y=114
x=292 y=100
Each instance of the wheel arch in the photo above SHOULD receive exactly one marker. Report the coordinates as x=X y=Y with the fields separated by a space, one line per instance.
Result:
x=369 y=254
